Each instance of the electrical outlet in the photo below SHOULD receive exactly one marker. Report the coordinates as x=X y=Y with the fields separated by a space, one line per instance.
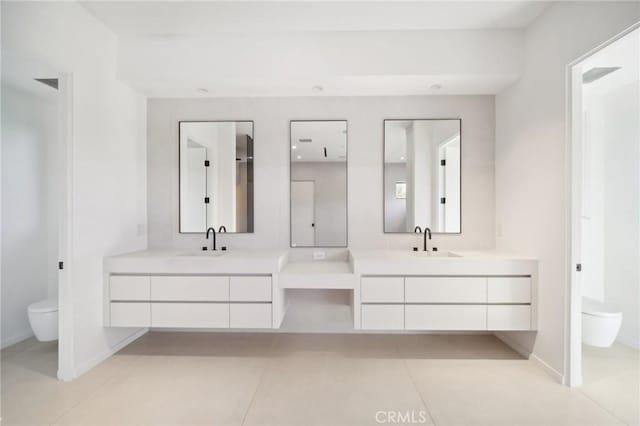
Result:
x=319 y=255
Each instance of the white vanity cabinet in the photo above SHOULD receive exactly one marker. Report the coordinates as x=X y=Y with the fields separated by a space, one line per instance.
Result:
x=489 y=303
x=189 y=301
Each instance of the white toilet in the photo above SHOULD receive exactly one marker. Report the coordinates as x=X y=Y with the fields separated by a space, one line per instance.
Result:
x=600 y=323
x=43 y=317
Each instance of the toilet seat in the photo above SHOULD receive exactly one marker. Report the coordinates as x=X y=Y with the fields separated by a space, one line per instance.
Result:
x=44 y=306
x=595 y=308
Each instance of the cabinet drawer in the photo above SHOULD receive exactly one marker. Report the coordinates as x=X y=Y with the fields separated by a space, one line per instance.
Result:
x=250 y=289
x=382 y=317
x=190 y=288
x=129 y=287
x=382 y=289
x=445 y=317
x=509 y=290
x=130 y=314
x=190 y=315
x=250 y=315
x=446 y=290
x=505 y=317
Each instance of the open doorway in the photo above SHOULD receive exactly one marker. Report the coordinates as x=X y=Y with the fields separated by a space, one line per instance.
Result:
x=604 y=357
x=35 y=145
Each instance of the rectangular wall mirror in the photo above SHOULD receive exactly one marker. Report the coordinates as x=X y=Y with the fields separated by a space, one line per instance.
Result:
x=422 y=175
x=318 y=183
x=216 y=176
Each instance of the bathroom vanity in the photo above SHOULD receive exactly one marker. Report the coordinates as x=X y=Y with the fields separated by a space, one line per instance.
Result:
x=200 y=289
x=390 y=290
x=376 y=290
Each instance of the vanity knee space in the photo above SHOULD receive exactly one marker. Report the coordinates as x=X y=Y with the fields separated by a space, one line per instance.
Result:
x=183 y=301
x=446 y=303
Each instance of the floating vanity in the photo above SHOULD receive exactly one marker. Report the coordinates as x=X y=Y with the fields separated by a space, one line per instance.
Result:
x=171 y=289
x=448 y=291
x=391 y=290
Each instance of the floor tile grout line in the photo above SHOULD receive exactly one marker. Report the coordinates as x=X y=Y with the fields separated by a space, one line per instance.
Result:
x=90 y=394
x=267 y=361
x=415 y=386
x=624 y=422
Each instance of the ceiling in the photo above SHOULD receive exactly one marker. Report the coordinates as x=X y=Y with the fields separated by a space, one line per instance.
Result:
x=355 y=48
x=175 y=19
x=309 y=138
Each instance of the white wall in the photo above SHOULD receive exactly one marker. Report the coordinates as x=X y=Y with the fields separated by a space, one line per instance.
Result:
x=530 y=155
x=271 y=131
x=29 y=226
x=108 y=156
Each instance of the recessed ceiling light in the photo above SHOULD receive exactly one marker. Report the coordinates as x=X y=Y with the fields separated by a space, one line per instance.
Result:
x=436 y=86
x=402 y=158
x=202 y=91
x=299 y=157
x=317 y=88
x=294 y=147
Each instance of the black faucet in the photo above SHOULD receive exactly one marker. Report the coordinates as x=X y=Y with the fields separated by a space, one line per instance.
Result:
x=222 y=229
x=211 y=229
x=417 y=230
x=426 y=231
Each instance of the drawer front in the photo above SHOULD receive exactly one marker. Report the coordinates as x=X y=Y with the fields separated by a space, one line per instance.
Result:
x=129 y=287
x=505 y=317
x=382 y=290
x=250 y=315
x=250 y=289
x=195 y=289
x=190 y=315
x=446 y=290
x=445 y=317
x=130 y=314
x=509 y=290
x=382 y=317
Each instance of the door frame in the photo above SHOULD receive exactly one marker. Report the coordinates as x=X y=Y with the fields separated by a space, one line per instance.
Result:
x=66 y=356
x=573 y=192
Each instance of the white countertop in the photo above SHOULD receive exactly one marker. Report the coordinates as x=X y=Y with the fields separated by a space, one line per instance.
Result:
x=456 y=262
x=266 y=261
x=322 y=273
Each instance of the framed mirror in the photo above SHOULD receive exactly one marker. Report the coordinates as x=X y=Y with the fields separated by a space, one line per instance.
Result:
x=422 y=175
x=318 y=187
x=216 y=176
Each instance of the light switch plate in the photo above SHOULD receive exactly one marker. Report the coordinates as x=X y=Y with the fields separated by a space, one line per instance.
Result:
x=319 y=255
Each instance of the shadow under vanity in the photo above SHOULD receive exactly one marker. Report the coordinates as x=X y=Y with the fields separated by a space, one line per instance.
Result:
x=307 y=289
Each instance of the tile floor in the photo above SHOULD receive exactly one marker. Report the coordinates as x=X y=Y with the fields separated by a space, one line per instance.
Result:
x=299 y=379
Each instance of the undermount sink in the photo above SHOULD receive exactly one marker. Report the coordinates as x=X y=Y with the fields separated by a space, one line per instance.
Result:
x=203 y=253
x=434 y=254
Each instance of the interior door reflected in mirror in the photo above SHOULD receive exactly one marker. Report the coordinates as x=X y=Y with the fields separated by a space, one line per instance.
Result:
x=422 y=170
x=216 y=176
x=318 y=183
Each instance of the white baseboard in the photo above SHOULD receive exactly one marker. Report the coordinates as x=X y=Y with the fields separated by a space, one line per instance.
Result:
x=88 y=365
x=16 y=338
x=557 y=376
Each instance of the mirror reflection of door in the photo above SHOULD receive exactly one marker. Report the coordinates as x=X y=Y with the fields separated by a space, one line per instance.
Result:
x=195 y=184
x=318 y=183
x=449 y=215
x=422 y=175
x=216 y=176
x=302 y=214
